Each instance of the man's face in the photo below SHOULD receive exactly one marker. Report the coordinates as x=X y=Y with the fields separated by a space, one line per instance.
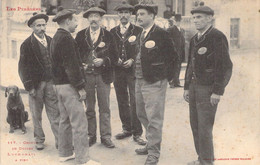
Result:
x=94 y=20
x=73 y=24
x=124 y=16
x=144 y=18
x=39 y=27
x=201 y=20
x=177 y=23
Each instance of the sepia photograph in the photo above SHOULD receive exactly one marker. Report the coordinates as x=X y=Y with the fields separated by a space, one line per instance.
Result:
x=129 y=82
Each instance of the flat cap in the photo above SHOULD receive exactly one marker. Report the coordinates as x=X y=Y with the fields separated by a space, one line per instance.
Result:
x=148 y=5
x=203 y=9
x=124 y=6
x=37 y=16
x=63 y=14
x=94 y=10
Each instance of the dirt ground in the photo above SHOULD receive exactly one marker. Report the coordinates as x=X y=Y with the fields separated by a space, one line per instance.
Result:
x=236 y=129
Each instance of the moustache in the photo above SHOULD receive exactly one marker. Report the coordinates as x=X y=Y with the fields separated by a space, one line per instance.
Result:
x=93 y=22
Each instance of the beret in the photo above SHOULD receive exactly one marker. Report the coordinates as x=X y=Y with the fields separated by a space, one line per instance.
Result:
x=37 y=16
x=94 y=10
x=124 y=6
x=149 y=5
x=63 y=14
x=203 y=9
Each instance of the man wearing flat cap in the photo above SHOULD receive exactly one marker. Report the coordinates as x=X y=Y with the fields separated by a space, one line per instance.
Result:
x=177 y=35
x=154 y=66
x=69 y=83
x=208 y=72
x=35 y=73
x=126 y=35
x=99 y=54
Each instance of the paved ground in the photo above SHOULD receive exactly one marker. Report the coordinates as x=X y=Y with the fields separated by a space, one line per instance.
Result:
x=236 y=130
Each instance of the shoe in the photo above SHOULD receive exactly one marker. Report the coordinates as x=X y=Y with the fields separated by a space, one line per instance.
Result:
x=92 y=141
x=151 y=160
x=123 y=135
x=139 y=140
x=177 y=85
x=91 y=162
x=141 y=151
x=195 y=162
x=39 y=146
x=108 y=143
x=64 y=159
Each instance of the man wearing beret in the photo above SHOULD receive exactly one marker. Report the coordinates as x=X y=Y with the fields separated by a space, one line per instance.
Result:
x=69 y=83
x=154 y=65
x=177 y=35
x=99 y=54
x=208 y=72
x=35 y=73
x=126 y=39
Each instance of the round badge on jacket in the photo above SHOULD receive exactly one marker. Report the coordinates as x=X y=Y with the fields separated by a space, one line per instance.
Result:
x=202 y=50
x=150 y=44
x=101 y=44
x=132 y=39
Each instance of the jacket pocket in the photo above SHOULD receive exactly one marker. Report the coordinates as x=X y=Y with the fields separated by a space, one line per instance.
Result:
x=157 y=63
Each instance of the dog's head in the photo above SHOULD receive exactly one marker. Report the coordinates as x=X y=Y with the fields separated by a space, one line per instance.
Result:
x=12 y=91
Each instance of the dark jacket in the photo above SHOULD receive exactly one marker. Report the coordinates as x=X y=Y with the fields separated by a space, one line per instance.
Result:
x=209 y=61
x=105 y=48
x=179 y=41
x=158 y=61
x=30 y=67
x=128 y=43
x=66 y=63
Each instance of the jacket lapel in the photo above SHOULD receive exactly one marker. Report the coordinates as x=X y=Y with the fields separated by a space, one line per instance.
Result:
x=36 y=48
x=88 y=38
x=149 y=34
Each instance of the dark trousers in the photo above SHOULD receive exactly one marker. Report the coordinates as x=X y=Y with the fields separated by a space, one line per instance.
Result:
x=125 y=86
x=202 y=116
x=177 y=71
x=95 y=85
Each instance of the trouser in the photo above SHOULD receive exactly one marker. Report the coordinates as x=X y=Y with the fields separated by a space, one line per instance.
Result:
x=73 y=128
x=150 y=104
x=125 y=86
x=45 y=95
x=94 y=83
x=177 y=71
x=202 y=116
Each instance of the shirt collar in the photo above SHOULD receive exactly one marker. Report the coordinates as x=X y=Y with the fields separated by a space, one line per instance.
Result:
x=202 y=33
x=127 y=25
x=40 y=39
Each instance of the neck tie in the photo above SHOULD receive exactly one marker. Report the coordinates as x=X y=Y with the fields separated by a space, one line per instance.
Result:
x=44 y=43
x=142 y=36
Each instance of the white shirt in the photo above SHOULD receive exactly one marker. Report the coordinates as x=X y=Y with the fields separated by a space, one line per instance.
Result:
x=94 y=35
x=147 y=30
x=123 y=28
x=43 y=40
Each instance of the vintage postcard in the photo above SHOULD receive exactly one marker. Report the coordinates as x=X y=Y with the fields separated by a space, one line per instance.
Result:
x=236 y=130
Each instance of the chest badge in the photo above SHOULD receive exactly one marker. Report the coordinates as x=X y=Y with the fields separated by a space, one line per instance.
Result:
x=150 y=44
x=101 y=44
x=202 y=50
x=132 y=39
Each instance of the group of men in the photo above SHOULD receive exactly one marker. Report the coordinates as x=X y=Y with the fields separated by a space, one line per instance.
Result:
x=62 y=73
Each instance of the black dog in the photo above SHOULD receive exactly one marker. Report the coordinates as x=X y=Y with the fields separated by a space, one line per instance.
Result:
x=17 y=116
